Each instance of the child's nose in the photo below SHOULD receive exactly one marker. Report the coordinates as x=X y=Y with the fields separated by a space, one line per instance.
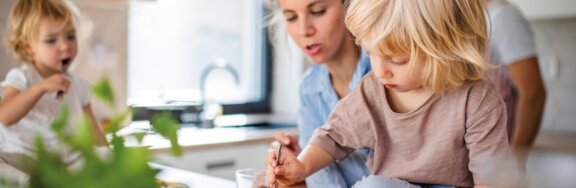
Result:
x=65 y=47
x=388 y=74
x=386 y=70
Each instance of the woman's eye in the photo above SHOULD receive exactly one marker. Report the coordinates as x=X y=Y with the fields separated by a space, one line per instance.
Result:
x=318 y=12
x=290 y=18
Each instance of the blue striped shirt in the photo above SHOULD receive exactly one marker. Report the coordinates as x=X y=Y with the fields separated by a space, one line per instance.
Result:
x=317 y=99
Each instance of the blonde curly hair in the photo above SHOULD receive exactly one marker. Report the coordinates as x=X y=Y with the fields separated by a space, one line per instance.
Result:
x=24 y=22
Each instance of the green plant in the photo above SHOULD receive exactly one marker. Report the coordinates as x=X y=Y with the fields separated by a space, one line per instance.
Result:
x=124 y=167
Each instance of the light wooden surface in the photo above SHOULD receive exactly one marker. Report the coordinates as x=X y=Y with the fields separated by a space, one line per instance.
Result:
x=555 y=142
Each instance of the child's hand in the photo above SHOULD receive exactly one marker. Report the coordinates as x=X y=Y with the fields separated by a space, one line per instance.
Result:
x=55 y=83
x=288 y=171
x=289 y=142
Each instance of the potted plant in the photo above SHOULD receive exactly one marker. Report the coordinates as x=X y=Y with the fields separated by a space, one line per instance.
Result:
x=122 y=167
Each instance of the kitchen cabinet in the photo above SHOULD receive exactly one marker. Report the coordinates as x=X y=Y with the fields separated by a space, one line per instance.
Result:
x=218 y=161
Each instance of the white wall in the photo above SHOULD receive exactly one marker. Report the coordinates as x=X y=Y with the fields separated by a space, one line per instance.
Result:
x=6 y=60
x=103 y=50
x=556 y=44
x=547 y=9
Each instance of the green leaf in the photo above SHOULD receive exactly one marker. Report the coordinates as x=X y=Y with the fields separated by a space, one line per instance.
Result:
x=59 y=123
x=125 y=167
x=167 y=126
x=103 y=90
x=82 y=138
x=116 y=122
x=139 y=136
x=49 y=168
x=9 y=183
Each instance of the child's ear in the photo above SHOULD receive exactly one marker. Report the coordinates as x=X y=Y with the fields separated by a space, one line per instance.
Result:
x=28 y=48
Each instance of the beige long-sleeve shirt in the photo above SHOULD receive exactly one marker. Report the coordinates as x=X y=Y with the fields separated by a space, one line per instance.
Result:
x=452 y=139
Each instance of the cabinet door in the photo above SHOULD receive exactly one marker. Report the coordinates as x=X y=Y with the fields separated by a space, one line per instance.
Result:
x=220 y=161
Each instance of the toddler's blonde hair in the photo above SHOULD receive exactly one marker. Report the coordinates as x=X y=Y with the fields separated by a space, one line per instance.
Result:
x=24 y=23
x=451 y=34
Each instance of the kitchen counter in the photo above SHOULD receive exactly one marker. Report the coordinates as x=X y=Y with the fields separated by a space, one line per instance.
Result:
x=214 y=152
x=190 y=179
x=194 y=138
x=194 y=180
x=551 y=153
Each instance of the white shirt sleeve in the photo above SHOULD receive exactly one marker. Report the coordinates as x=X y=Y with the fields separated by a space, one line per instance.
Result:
x=16 y=78
x=85 y=91
x=511 y=36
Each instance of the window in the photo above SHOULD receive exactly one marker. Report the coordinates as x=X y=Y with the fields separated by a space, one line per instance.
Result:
x=171 y=42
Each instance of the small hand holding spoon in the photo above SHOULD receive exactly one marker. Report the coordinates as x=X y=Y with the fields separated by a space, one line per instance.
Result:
x=278 y=160
x=65 y=63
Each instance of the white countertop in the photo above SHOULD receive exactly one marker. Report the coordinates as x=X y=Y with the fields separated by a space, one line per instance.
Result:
x=192 y=138
x=191 y=179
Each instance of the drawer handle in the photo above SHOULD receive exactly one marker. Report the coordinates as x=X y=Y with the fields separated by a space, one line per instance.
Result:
x=220 y=164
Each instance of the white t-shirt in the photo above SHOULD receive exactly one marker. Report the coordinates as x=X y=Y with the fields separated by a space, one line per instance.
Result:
x=510 y=41
x=511 y=37
x=19 y=138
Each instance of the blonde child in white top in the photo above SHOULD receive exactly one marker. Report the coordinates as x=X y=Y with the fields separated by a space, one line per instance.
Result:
x=42 y=36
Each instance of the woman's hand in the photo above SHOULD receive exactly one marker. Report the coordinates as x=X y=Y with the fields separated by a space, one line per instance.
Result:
x=287 y=170
x=290 y=142
x=55 y=83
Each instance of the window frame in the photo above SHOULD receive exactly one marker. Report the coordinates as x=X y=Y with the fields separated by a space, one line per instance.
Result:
x=263 y=105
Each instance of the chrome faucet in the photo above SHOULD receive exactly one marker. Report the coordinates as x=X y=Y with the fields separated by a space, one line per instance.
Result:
x=219 y=63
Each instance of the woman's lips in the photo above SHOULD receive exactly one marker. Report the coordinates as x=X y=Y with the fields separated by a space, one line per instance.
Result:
x=389 y=86
x=313 y=49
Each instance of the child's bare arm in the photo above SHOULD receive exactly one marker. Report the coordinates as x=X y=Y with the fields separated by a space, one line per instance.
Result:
x=16 y=104
x=97 y=132
x=314 y=158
